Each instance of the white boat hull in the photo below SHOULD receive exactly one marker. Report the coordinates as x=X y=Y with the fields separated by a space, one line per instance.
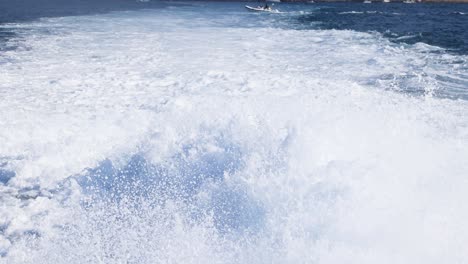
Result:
x=261 y=9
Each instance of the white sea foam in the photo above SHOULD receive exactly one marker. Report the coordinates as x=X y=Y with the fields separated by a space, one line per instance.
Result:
x=351 y=12
x=171 y=136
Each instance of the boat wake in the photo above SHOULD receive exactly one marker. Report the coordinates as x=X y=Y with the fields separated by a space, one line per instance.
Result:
x=153 y=136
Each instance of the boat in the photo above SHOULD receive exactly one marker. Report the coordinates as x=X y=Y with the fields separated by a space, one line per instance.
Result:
x=367 y=2
x=409 y=2
x=262 y=9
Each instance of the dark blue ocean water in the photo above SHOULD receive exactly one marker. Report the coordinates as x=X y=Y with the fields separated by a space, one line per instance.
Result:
x=442 y=25
x=21 y=10
x=12 y=11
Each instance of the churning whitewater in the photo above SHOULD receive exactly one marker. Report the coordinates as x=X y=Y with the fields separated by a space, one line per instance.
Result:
x=197 y=134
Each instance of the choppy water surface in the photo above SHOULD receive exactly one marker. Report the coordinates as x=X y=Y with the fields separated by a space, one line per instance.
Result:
x=203 y=133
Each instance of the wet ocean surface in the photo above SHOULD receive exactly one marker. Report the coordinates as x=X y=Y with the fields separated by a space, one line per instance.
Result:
x=442 y=25
x=200 y=132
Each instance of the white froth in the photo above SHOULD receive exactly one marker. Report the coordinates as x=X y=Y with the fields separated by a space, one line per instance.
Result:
x=166 y=136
